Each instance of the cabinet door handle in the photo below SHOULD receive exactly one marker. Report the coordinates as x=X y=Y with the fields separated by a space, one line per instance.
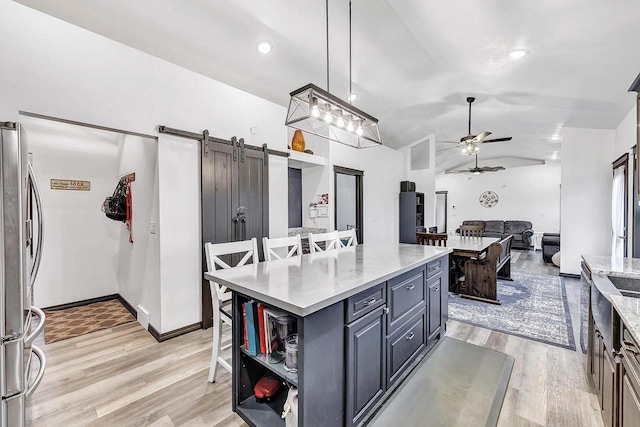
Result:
x=370 y=302
x=410 y=287
x=409 y=337
x=436 y=289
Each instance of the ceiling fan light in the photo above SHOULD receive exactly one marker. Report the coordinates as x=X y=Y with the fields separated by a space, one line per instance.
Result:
x=518 y=53
x=475 y=148
x=476 y=172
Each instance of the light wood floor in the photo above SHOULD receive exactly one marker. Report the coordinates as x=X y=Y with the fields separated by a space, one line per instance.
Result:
x=123 y=377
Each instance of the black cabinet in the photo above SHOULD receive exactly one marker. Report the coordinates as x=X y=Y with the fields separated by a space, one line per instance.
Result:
x=235 y=199
x=366 y=364
x=411 y=216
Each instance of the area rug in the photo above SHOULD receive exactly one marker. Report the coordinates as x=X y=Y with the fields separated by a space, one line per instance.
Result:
x=457 y=385
x=533 y=307
x=72 y=322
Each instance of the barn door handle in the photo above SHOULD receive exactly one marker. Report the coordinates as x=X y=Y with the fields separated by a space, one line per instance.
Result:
x=243 y=220
x=234 y=142
x=234 y=221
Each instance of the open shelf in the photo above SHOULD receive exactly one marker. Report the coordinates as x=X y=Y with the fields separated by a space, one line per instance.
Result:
x=263 y=414
x=299 y=160
x=276 y=368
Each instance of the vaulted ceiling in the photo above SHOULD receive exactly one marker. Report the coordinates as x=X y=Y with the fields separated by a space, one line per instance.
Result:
x=414 y=61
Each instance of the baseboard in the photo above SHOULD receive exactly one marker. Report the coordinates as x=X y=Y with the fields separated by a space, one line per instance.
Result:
x=83 y=302
x=128 y=306
x=175 y=333
x=570 y=275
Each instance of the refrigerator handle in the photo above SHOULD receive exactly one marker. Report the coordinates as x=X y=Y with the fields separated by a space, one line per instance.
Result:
x=29 y=339
x=38 y=255
x=36 y=382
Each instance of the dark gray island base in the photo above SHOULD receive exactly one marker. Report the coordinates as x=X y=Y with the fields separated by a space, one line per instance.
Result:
x=389 y=308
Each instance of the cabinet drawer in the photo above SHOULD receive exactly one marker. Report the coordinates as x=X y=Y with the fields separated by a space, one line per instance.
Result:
x=434 y=267
x=404 y=295
x=364 y=302
x=403 y=345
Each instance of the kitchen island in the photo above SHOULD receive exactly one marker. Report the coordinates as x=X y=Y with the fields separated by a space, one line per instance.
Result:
x=365 y=316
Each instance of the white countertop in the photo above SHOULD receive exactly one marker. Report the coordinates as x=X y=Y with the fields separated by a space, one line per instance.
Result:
x=306 y=284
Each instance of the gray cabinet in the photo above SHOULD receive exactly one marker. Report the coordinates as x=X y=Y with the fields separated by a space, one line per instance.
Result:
x=434 y=297
x=365 y=364
x=235 y=199
x=411 y=215
x=404 y=344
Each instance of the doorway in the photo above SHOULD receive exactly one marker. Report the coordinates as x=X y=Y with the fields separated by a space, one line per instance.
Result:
x=349 y=200
x=441 y=211
x=619 y=194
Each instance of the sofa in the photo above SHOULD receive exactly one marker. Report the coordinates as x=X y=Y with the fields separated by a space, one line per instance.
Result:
x=550 y=245
x=520 y=230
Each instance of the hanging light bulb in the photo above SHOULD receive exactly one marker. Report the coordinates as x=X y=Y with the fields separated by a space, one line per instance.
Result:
x=315 y=111
x=327 y=116
x=359 y=130
x=350 y=126
x=340 y=121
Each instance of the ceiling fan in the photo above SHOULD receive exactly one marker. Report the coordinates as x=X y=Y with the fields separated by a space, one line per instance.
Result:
x=476 y=170
x=471 y=141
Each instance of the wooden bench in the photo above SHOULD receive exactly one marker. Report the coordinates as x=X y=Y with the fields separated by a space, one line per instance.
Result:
x=481 y=275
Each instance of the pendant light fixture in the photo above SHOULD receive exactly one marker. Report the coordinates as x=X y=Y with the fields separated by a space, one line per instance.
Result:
x=317 y=111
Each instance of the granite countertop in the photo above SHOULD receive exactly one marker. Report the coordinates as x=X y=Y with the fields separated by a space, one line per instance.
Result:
x=627 y=307
x=613 y=266
x=629 y=310
x=306 y=284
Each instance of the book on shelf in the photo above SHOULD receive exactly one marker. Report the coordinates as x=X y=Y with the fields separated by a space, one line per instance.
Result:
x=244 y=327
x=252 y=328
x=263 y=341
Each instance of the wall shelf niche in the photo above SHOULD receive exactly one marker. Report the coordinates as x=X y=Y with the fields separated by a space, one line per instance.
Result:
x=299 y=160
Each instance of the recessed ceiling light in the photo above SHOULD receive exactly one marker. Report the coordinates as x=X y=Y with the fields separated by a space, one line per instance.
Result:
x=264 y=47
x=518 y=53
x=352 y=96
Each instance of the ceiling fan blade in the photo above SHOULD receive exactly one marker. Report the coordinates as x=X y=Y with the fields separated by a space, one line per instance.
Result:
x=451 y=142
x=492 y=168
x=458 y=171
x=509 y=138
x=466 y=138
x=481 y=136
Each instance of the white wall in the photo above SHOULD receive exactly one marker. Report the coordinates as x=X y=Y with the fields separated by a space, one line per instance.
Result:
x=586 y=195
x=383 y=171
x=625 y=136
x=80 y=246
x=62 y=70
x=529 y=193
x=137 y=260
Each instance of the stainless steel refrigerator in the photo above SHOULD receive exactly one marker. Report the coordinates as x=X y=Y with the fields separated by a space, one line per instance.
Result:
x=20 y=251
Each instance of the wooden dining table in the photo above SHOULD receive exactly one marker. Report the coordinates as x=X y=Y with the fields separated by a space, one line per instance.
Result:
x=464 y=248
